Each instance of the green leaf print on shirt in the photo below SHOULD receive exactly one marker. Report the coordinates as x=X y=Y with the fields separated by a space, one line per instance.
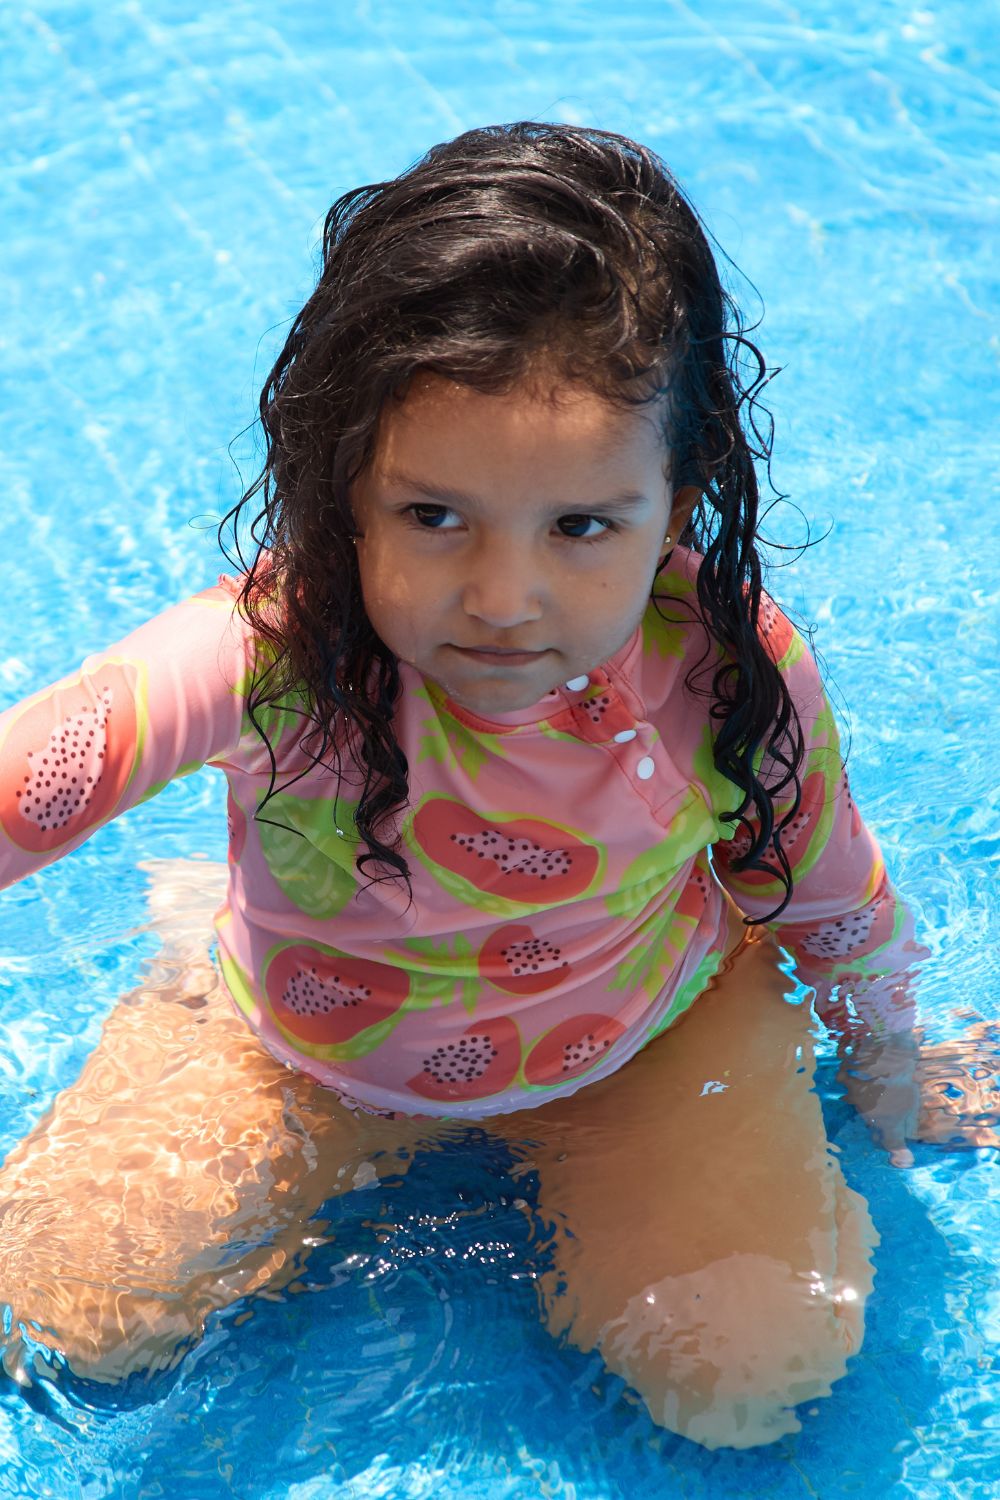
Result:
x=442 y=970
x=672 y=615
x=311 y=862
x=658 y=947
x=691 y=829
x=660 y=943
x=544 y=726
x=446 y=741
x=721 y=794
x=666 y=637
x=689 y=992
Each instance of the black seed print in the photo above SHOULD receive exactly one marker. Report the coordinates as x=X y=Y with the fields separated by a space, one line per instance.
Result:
x=68 y=796
x=583 y=1051
x=845 y=935
x=462 y=1061
x=306 y=994
x=519 y=855
x=531 y=957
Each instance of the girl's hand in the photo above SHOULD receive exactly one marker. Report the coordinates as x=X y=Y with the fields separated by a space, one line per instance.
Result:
x=945 y=1093
x=881 y=1080
x=960 y=1089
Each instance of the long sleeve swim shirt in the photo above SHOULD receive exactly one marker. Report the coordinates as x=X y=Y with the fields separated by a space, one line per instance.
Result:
x=572 y=865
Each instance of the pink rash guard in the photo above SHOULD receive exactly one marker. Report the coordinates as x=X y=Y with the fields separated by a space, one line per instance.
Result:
x=573 y=889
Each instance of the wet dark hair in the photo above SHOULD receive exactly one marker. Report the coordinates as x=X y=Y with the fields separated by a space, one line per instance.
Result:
x=508 y=247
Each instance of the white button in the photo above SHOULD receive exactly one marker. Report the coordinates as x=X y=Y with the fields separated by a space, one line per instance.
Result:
x=645 y=768
x=624 y=735
x=577 y=684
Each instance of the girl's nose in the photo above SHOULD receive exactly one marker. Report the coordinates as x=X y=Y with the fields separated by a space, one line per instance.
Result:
x=502 y=589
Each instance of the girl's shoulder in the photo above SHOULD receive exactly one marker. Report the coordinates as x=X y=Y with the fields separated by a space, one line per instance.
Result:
x=680 y=672
x=675 y=626
x=256 y=618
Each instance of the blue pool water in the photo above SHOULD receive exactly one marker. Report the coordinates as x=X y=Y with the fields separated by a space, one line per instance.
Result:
x=167 y=168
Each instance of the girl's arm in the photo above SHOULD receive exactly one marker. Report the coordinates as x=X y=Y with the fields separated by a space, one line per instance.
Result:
x=850 y=935
x=161 y=703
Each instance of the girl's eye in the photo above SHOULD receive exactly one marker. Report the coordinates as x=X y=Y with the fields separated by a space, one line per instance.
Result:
x=576 y=527
x=430 y=517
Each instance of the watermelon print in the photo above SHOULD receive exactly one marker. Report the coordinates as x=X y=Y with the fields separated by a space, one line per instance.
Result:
x=571 y=1049
x=70 y=754
x=501 y=864
x=517 y=960
x=322 y=998
x=481 y=1062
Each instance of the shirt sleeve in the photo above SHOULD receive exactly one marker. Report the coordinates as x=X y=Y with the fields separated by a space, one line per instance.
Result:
x=850 y=935
x=159 y=704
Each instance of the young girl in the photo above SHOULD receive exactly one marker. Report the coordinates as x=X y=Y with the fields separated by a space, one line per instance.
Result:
x=515 y=742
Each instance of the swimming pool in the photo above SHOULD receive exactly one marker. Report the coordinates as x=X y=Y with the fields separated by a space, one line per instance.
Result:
x=167 y=183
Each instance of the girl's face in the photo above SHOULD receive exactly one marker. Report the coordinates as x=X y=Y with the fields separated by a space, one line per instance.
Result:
x=508 y=543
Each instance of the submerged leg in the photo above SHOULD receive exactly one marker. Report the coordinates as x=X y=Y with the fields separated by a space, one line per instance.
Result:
x=178 y=1173
x=705 y=1240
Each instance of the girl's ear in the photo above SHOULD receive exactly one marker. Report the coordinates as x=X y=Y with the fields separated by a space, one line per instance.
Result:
x=685 y=500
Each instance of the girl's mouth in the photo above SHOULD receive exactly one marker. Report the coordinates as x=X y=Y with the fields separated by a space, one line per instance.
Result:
x=500 y=656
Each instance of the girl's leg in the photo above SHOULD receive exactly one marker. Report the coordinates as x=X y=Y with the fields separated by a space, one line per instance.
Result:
x=705 y=1239
x=179 y=1172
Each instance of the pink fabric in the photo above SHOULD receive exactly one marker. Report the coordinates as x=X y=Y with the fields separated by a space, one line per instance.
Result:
x=570 y=863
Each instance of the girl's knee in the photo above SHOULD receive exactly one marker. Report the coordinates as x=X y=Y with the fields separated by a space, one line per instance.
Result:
x=102 y=1336
x=57 y=1303
x=722 y=1354
x=115 y=1319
